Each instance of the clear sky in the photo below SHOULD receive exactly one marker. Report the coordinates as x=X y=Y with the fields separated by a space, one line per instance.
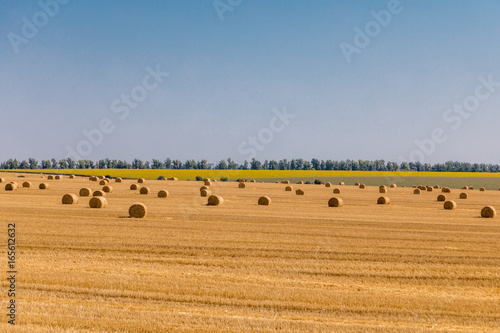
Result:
x=358 y=79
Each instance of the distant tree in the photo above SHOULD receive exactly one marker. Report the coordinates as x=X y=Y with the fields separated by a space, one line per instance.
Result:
x=33 y=163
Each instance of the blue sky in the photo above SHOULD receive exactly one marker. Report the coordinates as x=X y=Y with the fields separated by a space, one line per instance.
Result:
x=228 y=70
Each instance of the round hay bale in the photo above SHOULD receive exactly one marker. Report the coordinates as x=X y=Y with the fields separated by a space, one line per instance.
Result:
x=2 y=180
x=362 y=186
x=417 y=191
x=300 y=182
x=285 y=182
x=471 y=187
x=141 y=180
x=341 y=183
x=118 y=180
x=205 y=193
x=241 y=180
x=102 y=182
x=98 y=202
x=464 y=195
x=99 y=193
x=393 y=186
x=414 y=186
x=450 y=205
x=465 y=188
x=422 y=188
x=162 y=178
x=264 y=201
x=172 y=178
x=446 y=190
x=288 y=188
x=71 y=176
x=138 y=210
x=50 y=177
x=336 y=191
x=11 y=187
x=144 y=190
x=482 y=189
x=101 y=177
x=276 y=182
x=335 y=202
x=108 y=189
x=203 y=188
x=429 y=189
x=208 y=183
x=58 y=177
x=383 y=201
x=356 y=184
x=382 y=190
x=85 y=192
x=43 y=186
x=69 y=199
x=215 y=200
x=299 y=192
x=241 y=185
x=162 y=194
x=488 y=212
x=252 y=181
x=404 y=186
x=133 y=187
x=328 y=184
x=437 y=187
x=27 y=184
x=93 y=178
x=382 y=186
x=441 y=197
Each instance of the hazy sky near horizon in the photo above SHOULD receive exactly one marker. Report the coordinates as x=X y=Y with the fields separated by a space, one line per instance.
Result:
x=393 y=80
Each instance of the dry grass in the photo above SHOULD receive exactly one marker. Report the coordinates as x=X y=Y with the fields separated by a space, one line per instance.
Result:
x=295 y=266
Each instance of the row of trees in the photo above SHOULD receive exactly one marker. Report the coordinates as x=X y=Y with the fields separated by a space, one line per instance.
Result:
x=293 y=164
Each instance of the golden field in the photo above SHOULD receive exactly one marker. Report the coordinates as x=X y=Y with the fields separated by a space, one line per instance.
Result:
x=294 y=266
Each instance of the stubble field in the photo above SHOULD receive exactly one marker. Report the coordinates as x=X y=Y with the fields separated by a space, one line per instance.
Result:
x=294 y=266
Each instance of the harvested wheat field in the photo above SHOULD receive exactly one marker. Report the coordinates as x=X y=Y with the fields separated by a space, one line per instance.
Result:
x=297 y=265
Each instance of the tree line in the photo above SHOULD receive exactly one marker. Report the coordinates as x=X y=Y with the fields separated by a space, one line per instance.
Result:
x=229 y=164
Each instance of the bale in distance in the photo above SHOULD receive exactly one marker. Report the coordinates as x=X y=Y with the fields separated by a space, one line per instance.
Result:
x=241 y=180
x=464 y=195
x=393 y=186
x=488 y=212
x=85 y=192
x=276 y=182
x=264 y=201
x=162 y=178
x=441 y=197
x=69 y=199
x=144 y=190
x=208 y=183
x=471 y=187
x=285 y=182
x=99 y=193
x=382 y=190
x=2 y=180
x=203 y=188
x=133 y=187
x=93 y=178
x=98 y=202
x=437 y=187
x=299 y=192
x=336 y=191
x=71 y=176
x=100 y=177
x=341 y=183
x=118 y=180
x=50 y=177
x=450 y=205
x=300 y=182
x=11 y=187
x=43 y=186
x=382 y=186
x=288 y=188
x=356 y=184
x=108 y=189
x=417 y=191
x=429 y=189
x=141 y=180
x=172 y=178
x=335 y=202
x=102 y=182
x=58 y=177
x=362 y=186
x=328 y=184
x=465 y=188
x=215 y=200
x=422 y=188
x=162 y=194
x=138 y=210
x=383 y=201
x=205 y=193
x=446 y=190
x=241 y=185
x=27 y=184
x=482 y=189
x=252 y=181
